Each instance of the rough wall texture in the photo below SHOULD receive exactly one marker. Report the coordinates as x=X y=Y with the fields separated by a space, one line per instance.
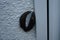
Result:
x=10 y=12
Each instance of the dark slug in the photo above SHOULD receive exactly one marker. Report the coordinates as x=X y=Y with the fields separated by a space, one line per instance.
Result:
x=23 y=21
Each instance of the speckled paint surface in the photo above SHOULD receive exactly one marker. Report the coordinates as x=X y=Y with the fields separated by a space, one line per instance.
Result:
x=10 y=12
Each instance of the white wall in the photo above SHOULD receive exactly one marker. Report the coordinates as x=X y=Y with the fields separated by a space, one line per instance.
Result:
x=10 y=12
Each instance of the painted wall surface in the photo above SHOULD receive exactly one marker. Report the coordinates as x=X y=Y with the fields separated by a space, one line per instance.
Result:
x=10 y=12
x=54 y=17
x=41 y=19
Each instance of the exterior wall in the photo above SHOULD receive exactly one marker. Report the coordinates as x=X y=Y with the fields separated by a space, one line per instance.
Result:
x=41 y=19
x=54 y=13
x=10 y=12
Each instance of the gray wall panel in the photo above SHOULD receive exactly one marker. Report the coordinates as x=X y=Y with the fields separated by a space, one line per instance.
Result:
x=54 y=15
x=41 y=19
